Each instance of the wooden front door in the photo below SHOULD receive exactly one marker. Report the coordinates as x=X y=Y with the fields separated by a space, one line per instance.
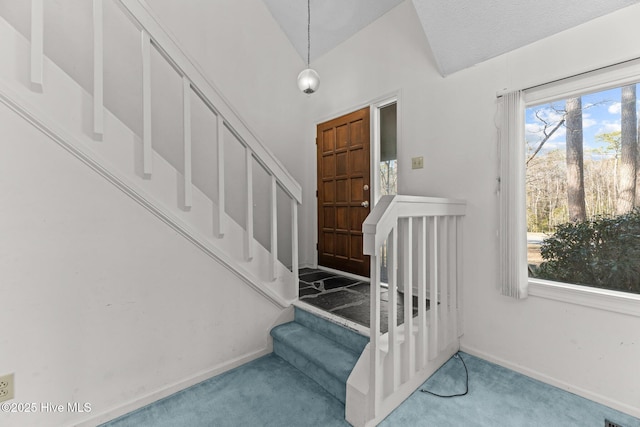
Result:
x=343 y=191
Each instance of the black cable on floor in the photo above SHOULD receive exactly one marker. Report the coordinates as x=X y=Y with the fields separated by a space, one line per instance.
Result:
x=457 y=355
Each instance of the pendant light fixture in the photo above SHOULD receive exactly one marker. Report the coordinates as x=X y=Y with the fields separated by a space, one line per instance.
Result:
x=308 y=79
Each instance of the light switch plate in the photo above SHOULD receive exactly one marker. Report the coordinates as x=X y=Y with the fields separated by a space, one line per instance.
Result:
x=417 y=162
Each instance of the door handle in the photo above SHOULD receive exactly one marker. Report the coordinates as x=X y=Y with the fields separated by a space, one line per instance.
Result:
x=365 y=204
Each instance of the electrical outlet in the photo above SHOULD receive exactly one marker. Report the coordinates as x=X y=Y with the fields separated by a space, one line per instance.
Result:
x=6 y=387
x=417 y=162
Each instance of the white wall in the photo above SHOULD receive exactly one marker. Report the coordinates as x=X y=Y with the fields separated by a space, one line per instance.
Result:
x=450 y=121
x=103 y=302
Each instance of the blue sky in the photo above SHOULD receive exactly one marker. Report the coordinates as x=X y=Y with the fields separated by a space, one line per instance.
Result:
x=600 y=114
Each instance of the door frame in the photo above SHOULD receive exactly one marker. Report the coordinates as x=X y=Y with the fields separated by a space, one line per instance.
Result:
x=374 y=146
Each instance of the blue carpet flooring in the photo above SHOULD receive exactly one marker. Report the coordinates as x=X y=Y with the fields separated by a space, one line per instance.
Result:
x=270 y=392
x=265 y=392
x=498 y=397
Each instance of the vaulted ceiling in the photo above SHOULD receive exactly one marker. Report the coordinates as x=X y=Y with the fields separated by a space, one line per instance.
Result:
x=461 y=33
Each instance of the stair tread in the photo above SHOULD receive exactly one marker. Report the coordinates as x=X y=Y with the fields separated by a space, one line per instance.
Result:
x=349 y=338
x=333 y=357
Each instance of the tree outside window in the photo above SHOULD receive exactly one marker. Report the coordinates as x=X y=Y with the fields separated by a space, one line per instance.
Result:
x=583 y=189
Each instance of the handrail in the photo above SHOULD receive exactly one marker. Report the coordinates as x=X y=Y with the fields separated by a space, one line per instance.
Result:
x=400 y=360
x=140 y=12
x=379 y=222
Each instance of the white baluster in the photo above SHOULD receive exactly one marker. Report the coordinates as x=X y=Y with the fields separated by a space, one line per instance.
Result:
x=98 y=70
x=294 y=247
x=444 y=282
x=186 y=129
x=147 y=150
x=394 y=339
x=220 y=221
x=273 y=260
x=459 y=263
x=422 y=293
x=375 y=366
x=409 y=362
x=37 y=44
x=248 y=238
x=453 y=281
x=434 y=288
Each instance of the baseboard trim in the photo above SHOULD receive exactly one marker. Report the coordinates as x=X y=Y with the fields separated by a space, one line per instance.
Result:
x=619 y=406
x=138 y=403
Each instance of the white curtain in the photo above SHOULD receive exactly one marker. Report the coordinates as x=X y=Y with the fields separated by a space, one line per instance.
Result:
x=512 y=197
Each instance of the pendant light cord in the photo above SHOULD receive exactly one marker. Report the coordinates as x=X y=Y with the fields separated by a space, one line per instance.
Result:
x=308 y=33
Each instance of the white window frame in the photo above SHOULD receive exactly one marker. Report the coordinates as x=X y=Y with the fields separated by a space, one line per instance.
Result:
x=594 y=81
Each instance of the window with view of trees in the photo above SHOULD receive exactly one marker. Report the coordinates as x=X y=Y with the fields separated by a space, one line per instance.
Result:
x=583 y=189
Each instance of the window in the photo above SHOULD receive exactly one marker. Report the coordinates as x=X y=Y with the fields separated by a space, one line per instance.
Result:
x=582 y=186
x=536 y=197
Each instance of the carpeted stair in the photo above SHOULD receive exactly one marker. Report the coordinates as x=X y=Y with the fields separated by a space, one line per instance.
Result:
x=324 y=351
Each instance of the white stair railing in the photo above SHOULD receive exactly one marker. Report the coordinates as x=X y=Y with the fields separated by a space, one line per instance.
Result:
x=194 y=79
x=194 y=82
x=422 y=237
